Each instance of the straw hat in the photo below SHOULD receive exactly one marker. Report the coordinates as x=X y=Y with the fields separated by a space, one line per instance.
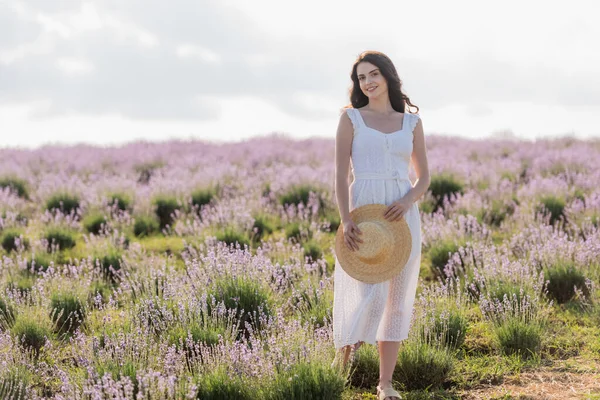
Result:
x=385 y=249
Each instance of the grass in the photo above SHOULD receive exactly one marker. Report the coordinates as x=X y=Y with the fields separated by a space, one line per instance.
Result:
x=552 y=206
x=145 y=225
x=218 y=384
x=10 y=237
x=16 y=185
x=93 y=223
x=31 y=332
x=232 y=236
x=63 y=201
x=68 y=312
x=165 y=206
x=439 y=254
x=518 y=337
x=563 y=279
x=61 y=238
x=122 y=201
x=247 y=297
x=306 y=381
x=444 y=186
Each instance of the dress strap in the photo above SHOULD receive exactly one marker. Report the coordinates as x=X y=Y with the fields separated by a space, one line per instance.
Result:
x=412 y=120
x=353 y=117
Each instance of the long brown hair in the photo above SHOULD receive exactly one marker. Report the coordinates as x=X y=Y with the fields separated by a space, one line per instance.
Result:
x=398 y=99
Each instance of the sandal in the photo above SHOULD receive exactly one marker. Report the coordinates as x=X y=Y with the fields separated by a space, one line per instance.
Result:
x=387 y=392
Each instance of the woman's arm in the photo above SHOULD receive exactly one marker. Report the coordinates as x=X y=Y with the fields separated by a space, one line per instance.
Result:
x=343 y=148
x=419 y=161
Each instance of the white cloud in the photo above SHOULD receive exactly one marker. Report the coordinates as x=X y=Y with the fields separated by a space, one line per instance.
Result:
x=74 y=66
x=202 y=53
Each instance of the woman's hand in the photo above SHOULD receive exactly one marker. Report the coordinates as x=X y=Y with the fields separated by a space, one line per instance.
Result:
x=351 y=233
x=397 y=209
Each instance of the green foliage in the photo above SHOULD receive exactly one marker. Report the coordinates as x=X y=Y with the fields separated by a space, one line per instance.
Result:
x=146 y=170
x=312 y=250
x=427 y=206
x=297 y=231
x=145 y=226
x=219 y=385
x=61 y=237
x=121 y=200
x=300 y=193
x=30 y=332
x=231 y=236
x=15 y=185
x=99 y=288
x=93 y=223
x=333 y=217
x=509 y=176
x=120 y=369
x=266 y=190
x=209 y=336
x=516 y=336
x=306 y=381
x=553 y=206
x=439 y=254
x=247 y=296
x=187 y=337
x=264 y=224
x=422 y=366
x=292 y=230
x=563 y=277
x=329 y=263
x=315 y=305
x=165 y=207
x=67 y=312
x=154 y=315
x=40 y=262
x=448 y=329
x=496 y=213
x=579 y=194
x=14 y=383
x=296 y=194
x=63 y=201
x=110 y=265
x=22 y=283
x=444 y=186
x=479 y=339
x=499 y=288
x=7 y=315
x=203 y=196
x=8 y=240
x=365 y=369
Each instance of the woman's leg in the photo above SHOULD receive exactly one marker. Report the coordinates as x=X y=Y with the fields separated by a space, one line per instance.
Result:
x=346 y=351
x=388 y=355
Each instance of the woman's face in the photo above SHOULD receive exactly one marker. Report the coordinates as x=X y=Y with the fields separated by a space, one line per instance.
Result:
x=370 y=77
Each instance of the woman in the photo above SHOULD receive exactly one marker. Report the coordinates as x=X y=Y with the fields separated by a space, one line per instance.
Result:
x=381 y=140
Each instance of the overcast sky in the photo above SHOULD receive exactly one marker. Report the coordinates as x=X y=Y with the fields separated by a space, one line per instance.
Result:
x=113 y=71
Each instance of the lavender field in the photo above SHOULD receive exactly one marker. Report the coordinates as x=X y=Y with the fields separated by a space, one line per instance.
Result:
x=186 y=270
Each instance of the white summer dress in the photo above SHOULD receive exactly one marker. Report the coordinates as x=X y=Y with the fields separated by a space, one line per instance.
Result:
x=381 y=311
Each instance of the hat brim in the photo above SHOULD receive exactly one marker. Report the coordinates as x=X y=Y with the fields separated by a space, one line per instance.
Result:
x=391 y=265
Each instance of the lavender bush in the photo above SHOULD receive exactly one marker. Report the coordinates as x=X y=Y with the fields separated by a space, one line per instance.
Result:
x=204 y=270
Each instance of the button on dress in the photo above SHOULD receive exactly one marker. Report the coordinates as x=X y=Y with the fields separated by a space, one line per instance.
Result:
x=381 y=311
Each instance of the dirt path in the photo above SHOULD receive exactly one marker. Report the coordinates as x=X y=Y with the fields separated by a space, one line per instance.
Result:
x=557 y=382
